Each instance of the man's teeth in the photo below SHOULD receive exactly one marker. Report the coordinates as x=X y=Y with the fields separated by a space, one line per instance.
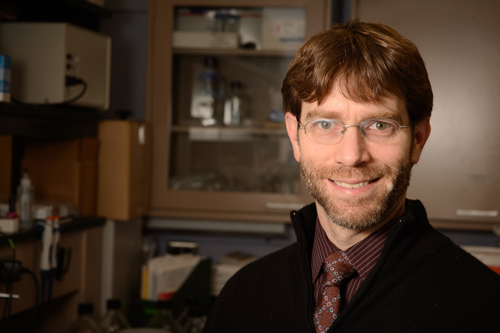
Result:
x=351 y=185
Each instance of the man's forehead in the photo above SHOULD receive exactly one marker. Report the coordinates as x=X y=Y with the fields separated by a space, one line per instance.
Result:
x=338 y=106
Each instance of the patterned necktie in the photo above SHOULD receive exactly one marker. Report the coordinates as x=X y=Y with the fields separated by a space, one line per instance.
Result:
x=337 y=268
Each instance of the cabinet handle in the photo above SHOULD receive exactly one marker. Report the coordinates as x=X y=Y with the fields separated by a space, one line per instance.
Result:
x=284 y=205
x=477 y=213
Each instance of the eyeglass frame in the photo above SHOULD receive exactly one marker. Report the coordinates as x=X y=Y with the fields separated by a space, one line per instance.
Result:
x=360 y=133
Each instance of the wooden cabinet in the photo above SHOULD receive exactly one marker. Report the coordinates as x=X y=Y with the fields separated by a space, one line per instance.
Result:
x=46 y=139
x=245 y=172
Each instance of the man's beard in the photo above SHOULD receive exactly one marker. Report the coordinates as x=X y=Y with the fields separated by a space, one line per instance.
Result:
x=363 y=212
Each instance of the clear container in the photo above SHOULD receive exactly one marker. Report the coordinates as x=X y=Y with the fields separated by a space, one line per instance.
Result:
x=114 y=320
x=84 y=323
x=236 y=106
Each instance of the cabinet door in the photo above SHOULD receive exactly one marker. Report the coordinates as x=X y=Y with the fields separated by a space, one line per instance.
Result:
x=205 y=165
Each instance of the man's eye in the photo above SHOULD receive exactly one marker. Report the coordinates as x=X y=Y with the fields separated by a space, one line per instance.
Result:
x=325 y=124
x=380 y=125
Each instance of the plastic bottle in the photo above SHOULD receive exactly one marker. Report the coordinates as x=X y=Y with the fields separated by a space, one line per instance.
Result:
x=25 y=198
x=84 y=323
x=113 y=320
x=208 y=107
x=235 y=106
x=164 y=318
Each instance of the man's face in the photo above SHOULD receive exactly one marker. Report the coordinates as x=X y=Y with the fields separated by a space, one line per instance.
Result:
x=357 y=183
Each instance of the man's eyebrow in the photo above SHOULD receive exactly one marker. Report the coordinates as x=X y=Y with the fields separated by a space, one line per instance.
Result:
x=327 y=114
x=332 y=114
x=388 y=114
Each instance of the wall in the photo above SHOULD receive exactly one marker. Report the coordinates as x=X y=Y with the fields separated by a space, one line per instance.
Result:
x=123 y=239
x=121 y=263
x=128 y=29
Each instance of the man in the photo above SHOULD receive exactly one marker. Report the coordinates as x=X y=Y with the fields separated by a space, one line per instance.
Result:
x=357 y=102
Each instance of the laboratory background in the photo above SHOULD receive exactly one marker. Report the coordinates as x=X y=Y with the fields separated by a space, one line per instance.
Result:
x=145 y=160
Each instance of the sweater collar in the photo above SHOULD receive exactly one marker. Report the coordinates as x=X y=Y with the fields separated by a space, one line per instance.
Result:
x=304 y=223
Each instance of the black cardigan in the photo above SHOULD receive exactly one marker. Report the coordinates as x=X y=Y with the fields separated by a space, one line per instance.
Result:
x=422 y=282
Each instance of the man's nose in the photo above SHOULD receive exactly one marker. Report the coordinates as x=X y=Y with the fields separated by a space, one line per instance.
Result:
x=351 y=150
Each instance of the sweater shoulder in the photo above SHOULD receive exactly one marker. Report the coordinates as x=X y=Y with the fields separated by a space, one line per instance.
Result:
x=257 y=298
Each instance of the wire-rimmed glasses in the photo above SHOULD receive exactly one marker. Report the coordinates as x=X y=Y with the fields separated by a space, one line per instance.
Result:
x=330 y=131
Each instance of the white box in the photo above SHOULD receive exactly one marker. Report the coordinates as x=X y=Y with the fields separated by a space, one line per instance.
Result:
x=195 y=19
x=43 y=54
x=250 y=27
x=219 y=40
x=9 y=226
x=283 y=28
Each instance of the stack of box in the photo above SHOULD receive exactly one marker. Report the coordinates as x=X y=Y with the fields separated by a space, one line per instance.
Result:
x=266 y=29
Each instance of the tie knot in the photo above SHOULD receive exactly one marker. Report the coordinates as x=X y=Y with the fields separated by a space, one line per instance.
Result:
x=337 y=267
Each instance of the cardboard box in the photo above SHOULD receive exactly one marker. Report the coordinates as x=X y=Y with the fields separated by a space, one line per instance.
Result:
x=123 y=172
x=64 y=171
x=283 y=28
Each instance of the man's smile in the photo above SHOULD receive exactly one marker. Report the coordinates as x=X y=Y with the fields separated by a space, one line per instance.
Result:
x=351 y=185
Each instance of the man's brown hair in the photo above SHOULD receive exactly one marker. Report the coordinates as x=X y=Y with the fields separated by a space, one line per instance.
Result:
x=369 y=61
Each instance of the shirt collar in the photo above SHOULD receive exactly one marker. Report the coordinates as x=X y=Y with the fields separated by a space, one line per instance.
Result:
x=363 y=255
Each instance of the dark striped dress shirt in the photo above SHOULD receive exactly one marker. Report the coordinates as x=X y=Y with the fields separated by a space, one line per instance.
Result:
x=363 y=256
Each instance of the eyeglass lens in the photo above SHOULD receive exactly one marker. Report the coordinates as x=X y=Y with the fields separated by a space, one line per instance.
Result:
x=331 y=131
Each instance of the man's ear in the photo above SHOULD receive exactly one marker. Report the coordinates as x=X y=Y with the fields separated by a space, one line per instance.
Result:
x=421 y=134
x=292 y=129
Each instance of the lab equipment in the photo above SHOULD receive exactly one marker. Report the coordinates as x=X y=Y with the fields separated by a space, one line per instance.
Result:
x=44 y=229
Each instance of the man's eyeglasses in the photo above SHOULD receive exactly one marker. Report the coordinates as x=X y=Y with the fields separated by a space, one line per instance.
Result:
x=328 y=131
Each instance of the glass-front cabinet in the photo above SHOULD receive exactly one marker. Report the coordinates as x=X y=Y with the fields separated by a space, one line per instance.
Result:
x=220 y=147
